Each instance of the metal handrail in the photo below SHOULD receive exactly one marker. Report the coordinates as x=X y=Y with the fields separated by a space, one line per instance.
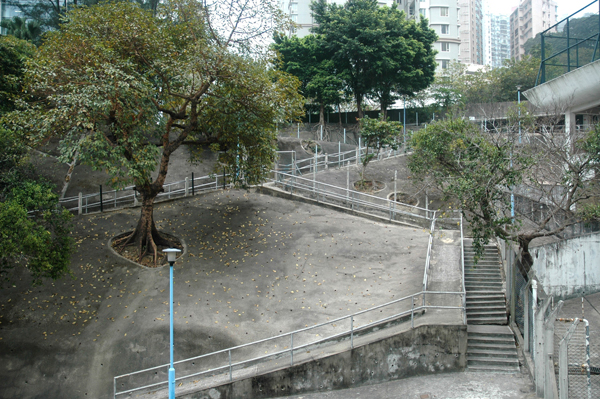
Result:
x=374 y=200
x=427 y=260
x=351 y=331
x=462 y=264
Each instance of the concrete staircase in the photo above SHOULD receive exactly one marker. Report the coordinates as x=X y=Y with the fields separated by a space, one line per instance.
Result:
x=486 y=302
x=491 y=343
x=491 y=349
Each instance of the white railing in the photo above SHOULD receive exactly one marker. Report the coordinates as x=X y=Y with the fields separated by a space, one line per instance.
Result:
x=351 y=199
x=333 y=336
x=128 y=196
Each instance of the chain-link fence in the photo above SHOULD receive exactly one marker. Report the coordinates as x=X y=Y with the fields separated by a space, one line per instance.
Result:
x=577 y=365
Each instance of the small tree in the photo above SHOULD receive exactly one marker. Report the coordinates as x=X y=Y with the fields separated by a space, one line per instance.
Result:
x=376 y=134
x=479 y=171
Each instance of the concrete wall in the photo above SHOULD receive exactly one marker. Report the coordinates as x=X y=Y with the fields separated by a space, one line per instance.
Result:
x=423 y=350
x=569 y=268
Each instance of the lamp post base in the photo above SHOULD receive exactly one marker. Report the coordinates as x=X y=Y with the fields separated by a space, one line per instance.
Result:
x=171 y=383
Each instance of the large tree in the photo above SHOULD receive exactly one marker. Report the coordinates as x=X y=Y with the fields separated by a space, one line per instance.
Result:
x=376 y=51
x=307 y=59
x=125 y=89
x=550 y=173
x=407 y=59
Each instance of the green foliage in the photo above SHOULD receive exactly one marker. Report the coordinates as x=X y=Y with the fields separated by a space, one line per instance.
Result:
x=307 y=59
x=455 y=88
x=376 y=134
x=376 y=51
x=470 y=170
x=23 y=29
x=34 y=232
x=13 y=53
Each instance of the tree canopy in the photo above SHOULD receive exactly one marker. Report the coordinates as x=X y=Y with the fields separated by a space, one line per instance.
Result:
x=124 y=89
x=550 y=171
x=307 y=59
x=455 y=87
x=376 y=134
x=375 y=50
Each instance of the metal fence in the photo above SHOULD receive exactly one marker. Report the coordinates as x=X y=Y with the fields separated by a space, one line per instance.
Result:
x=578 y=367
x=565 y=361
x=351 y=199
x=288 y=162
x=128 y=196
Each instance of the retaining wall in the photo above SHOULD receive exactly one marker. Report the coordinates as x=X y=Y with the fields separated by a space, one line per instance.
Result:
x=569 y=268
x=423 y=350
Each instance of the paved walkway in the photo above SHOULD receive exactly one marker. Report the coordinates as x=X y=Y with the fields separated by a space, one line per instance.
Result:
x=464 y=385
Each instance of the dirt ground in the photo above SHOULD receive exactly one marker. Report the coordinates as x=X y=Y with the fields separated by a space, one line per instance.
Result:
x=254 y=266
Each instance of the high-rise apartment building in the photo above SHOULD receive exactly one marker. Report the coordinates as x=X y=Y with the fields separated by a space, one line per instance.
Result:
x=496 y=37
x=443 y=19
x=527 y=20
x=471 y=31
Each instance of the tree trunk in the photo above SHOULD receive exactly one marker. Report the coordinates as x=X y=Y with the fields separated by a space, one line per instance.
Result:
x=322 y=114
x=145 y=237
x=526 y=258
x=359 y=106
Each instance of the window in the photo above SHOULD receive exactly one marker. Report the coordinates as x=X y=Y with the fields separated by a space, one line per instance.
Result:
x=445 y=29
x=422 y=12
x=293 y=8
x=445 y=46
x=294 y=17
x=443 y=11
x=445 y=64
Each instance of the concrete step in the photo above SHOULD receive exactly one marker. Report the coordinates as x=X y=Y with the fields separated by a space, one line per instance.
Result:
x=486 y=310
x=500 y=321
x=469 y=263
x=504 y=348
x=492 y=361
x=490 y=331
x=486 y=305
x=493 y=369
x=496 y=341
x=483 y=272
x=492 y=353
x=483 y=294
x=482 y=286
x=477 y=313
x=483 y=279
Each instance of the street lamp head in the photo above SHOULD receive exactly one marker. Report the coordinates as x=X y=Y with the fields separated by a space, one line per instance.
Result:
x=171 y=254
x=519 y=88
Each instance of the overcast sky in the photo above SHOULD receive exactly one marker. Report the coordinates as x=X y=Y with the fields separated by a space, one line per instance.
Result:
x=565 y=7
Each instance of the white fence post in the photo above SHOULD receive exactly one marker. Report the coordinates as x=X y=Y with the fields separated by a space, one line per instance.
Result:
x=187 y=186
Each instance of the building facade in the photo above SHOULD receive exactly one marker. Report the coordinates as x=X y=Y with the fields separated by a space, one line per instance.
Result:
x=443 y=19
x=496 y=38
x=527 y=20
x=471 y=32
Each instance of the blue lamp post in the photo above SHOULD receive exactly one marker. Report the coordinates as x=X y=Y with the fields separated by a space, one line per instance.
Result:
x=171 y=256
